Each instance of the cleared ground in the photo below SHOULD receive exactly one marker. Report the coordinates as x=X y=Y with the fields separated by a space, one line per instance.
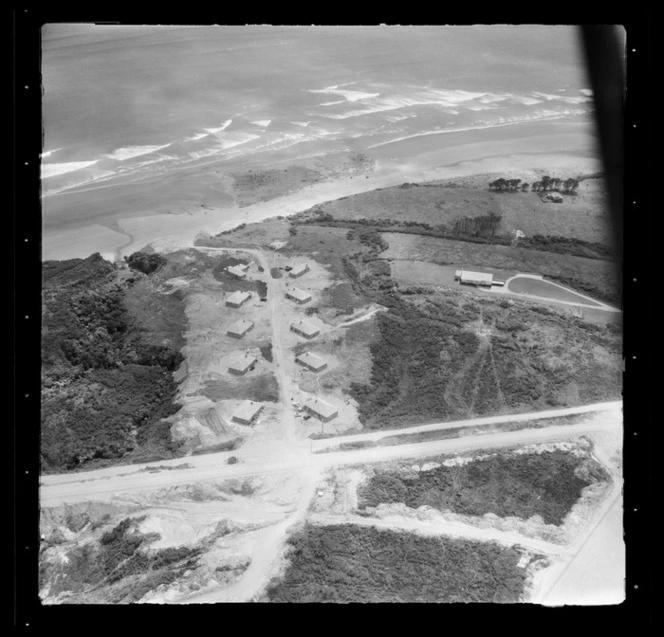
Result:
x=544 y=289
x=408 y=272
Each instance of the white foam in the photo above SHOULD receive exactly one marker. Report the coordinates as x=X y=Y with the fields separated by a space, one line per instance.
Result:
x=121 y=154
x=501 y=121
x=52 y=170
x=195 y=138
x=490 y=98
x=262 y=122
x=224 y=126
x=332 y=103
x=587 y=91
x=567 y=100
x=302 y=124
x=523 y=99
x=48 y=153
x=350 y=96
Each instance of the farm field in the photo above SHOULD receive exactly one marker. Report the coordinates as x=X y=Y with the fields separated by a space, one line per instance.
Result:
x=443 y=202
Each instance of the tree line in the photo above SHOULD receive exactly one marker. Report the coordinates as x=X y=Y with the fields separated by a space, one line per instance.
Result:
x=546 y=184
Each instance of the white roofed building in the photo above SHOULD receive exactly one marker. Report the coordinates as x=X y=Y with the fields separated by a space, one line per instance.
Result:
x=238 y=270
x=305 y=329
x=247 y=413
x=297 y=295
x=237 y=299
x=321 y=410
x=240 y=328
x=468 y=277
x=242 y=365
x=311 y=361
x=298 y=270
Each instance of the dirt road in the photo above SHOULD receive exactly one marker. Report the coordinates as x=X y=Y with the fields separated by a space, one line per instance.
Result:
x=443 y=527
x=104 y=484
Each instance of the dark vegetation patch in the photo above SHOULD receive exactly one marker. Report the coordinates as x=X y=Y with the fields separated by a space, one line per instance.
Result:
x=343 y=298
x=262 y=185
x=276 y=273
x=145 y=263
x=345 y=563
x=261 y=388
x=429 y=364
x=522 y=485
x=266 y=352
x=107 y=384
x=232 y=283
x=121 y=561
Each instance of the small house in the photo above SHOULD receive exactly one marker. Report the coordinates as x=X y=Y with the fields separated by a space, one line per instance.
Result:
x=247 y=412
x=311 y=361
x=297 y=295
x=240 y=328
x=242 y=365
x=305 y=329
x=237 y=299
x=298 y=270
x=321 y=410
x=237 y=270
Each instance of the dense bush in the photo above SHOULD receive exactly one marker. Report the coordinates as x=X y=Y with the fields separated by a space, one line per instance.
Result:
x=345 y=563
x=107 y=386
x=145 y=263
x=519 y=485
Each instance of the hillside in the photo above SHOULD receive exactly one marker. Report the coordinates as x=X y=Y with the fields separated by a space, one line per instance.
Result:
x=110 y=343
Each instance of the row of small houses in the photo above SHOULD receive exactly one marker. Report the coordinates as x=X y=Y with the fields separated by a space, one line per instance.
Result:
x=241 y=365
x=249 y=411
x=240 y=328
x=239 y=298
x=240 y=270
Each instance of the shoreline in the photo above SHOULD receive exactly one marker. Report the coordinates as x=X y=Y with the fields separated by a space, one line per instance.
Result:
x=169 y=232
x=130 y=216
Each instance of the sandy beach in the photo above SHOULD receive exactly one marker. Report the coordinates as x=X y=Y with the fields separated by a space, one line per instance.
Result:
x=146 y=218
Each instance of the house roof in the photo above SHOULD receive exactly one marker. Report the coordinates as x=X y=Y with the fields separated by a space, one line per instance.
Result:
x=238 y=297
x=247 y=410
x=468 y=275
x=321 y=407
x=305 y=328
x=242 y=363
x=311 y=360
x=237 y=270
x=299 y=269
x=298 y=294
x=241 y=326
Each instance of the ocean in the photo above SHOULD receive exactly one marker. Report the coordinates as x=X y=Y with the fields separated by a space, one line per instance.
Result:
x=126 y=108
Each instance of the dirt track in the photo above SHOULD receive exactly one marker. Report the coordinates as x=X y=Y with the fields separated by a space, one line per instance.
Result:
x=104 y=484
